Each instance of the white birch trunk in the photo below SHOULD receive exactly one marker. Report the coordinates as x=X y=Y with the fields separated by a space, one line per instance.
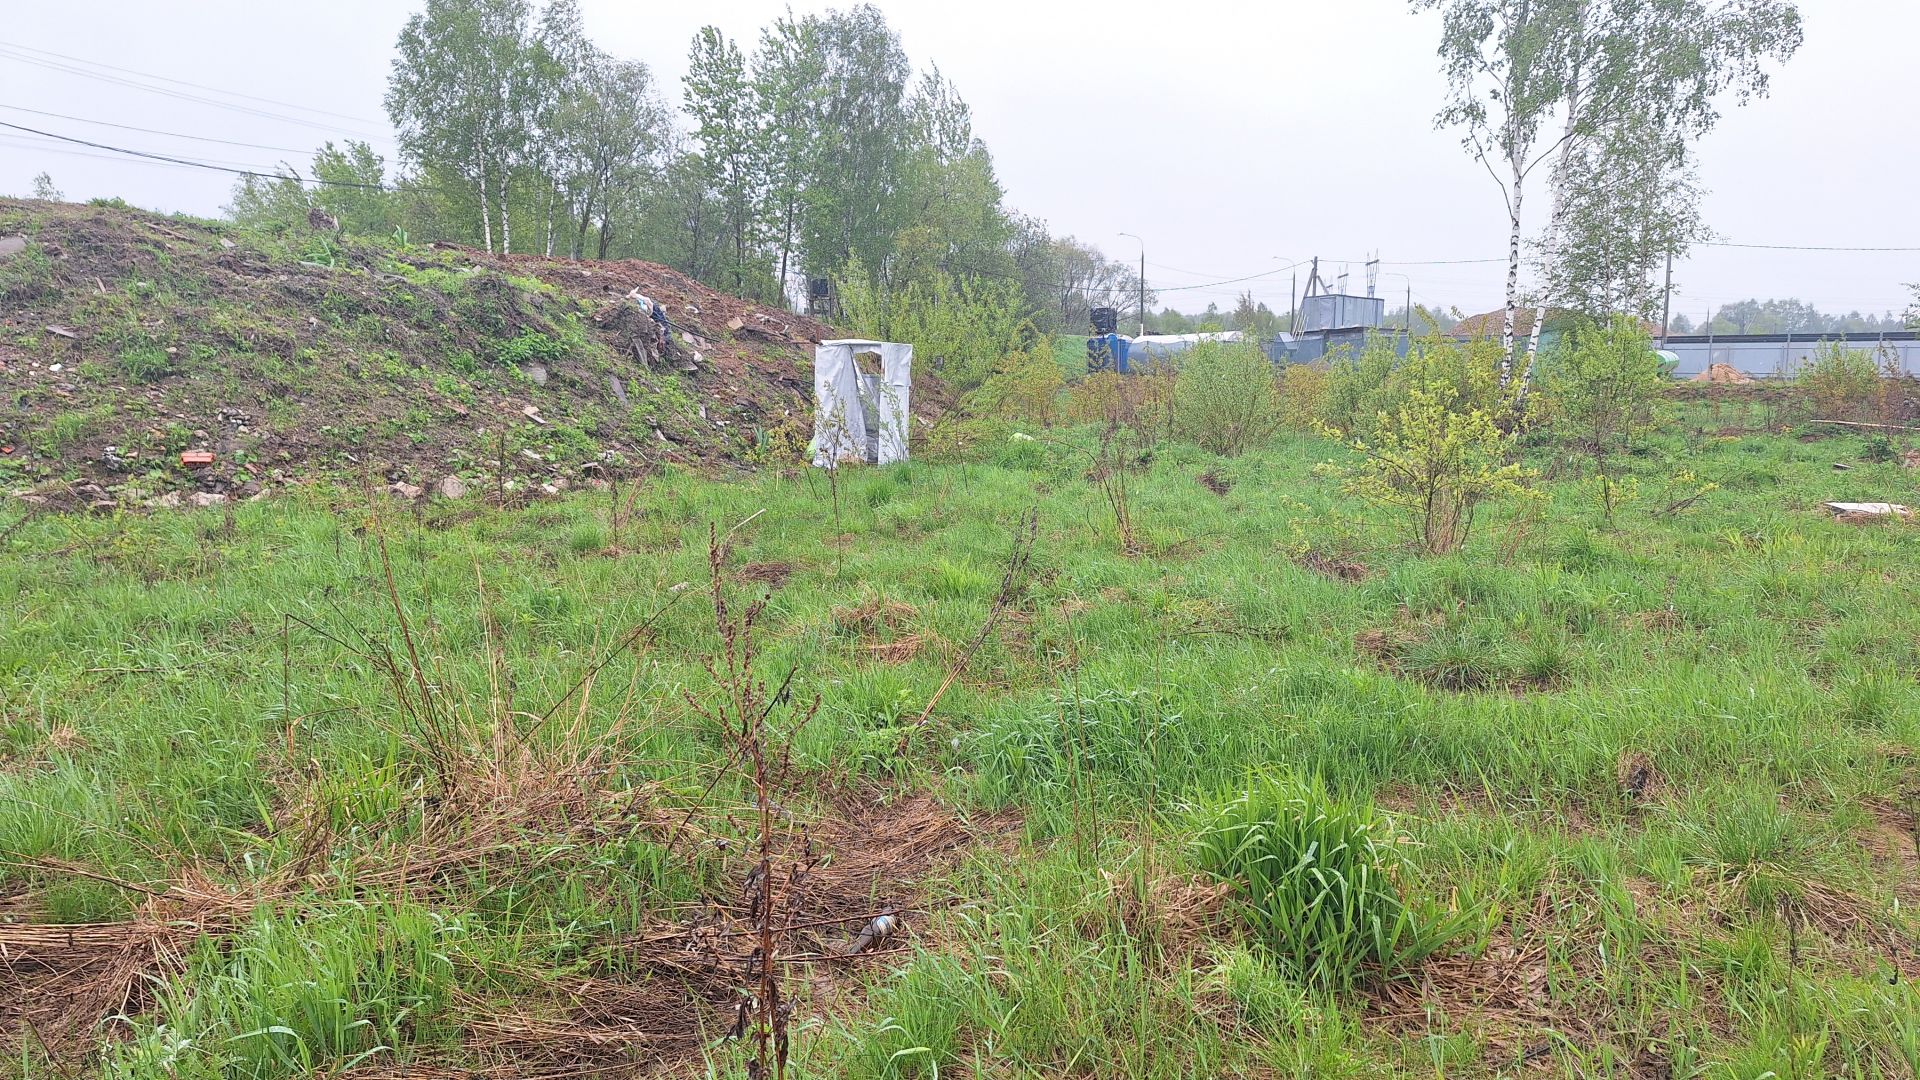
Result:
x=486 y=218
x=506 y=223
x=550 y=194
x=1553 y=216
x=1513 y=278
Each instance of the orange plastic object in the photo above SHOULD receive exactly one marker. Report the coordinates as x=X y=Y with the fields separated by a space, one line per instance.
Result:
x=196 y=458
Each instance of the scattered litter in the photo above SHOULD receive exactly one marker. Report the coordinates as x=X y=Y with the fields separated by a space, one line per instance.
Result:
x=532 y=412
x=195 y=459
x=62 y=331
x=1841 y=466
x=875 y=934
x=619 y=388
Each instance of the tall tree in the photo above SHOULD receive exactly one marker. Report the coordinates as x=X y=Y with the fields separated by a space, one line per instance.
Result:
x=1515 y=66
x=1628 y=201
x=721 y=103
x=462 y=95
x=787 y=69
x=952 y=221
x=851 y=201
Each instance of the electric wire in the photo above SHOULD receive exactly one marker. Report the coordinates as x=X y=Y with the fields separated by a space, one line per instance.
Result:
x=183 y=82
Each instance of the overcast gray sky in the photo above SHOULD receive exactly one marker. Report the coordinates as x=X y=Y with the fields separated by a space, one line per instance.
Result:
x=1227 y=135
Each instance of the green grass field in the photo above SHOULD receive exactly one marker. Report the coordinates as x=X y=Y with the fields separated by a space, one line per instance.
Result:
x=1658 y=782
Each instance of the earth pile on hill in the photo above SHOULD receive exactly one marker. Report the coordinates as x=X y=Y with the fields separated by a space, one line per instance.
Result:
x=129 y=338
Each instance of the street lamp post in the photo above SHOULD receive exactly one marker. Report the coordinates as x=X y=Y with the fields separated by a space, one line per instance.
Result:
x=1143 y=283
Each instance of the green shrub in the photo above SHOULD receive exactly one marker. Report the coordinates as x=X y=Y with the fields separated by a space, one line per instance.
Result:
x=1841 y=383
x=1226 y=399
x=1467 y=656
x=961 y=328
x=296 y=996
x=529 y=346
x=1303 y=396
x=1433 y=462
x=1317 y=877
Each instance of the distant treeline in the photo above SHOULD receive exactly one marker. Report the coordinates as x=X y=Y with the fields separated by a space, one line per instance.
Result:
x=1786 y=317
x=817 y=153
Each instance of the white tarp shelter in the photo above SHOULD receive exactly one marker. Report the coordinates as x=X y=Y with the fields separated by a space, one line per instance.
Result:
x=860 y=416
x=1153 y=346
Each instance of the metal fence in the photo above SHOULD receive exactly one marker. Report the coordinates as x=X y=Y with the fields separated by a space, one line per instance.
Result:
x=1766 y=356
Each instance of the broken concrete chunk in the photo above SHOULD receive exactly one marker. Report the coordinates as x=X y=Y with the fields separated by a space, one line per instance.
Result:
x=536 y=371
x=406 y=490
x=532 y=412
x=202 y=500
x=12 y=245
x=452 y=487
x=1872 y=509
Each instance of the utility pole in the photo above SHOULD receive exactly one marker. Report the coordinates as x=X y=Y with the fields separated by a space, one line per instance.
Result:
x=1666 y=300
x=1143 y=283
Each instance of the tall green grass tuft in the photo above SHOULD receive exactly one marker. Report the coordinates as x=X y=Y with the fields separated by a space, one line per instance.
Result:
x=1317 y=877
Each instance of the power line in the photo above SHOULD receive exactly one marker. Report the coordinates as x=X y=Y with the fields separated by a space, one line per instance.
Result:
x=43 y=143
x=153 y=131
x=258 y=173
x=180 y=95
x=183 y=82
x=1799 y=247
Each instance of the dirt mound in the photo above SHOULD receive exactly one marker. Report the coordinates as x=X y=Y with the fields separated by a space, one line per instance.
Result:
x=1723 y=374
x=128 y=339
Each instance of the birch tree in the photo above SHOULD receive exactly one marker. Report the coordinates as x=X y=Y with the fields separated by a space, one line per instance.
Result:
x=1626 y=202
x=720 y=102
x=787 y=69
x=1568 y=70
x=459 y=96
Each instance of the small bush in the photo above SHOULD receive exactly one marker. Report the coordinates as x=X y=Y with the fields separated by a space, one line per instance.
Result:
x=1025 y=386
x=587 y=538
x=1317 y=878
x=1468 y=656
x=1140 y=401
x=1434 y=463
x=529 y=346
x=1841 y=383
x=1303 y=396
x=1226 y=399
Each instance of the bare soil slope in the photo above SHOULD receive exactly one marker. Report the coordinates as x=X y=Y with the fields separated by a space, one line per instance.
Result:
x=127 y=338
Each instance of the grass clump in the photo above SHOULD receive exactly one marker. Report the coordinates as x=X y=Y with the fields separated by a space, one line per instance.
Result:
x=1317 y=877
x=146 y=364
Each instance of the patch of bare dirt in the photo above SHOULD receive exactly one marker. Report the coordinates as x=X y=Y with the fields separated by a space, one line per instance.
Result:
x=1335 y=567
x=851 y=896
x=1213 y=481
